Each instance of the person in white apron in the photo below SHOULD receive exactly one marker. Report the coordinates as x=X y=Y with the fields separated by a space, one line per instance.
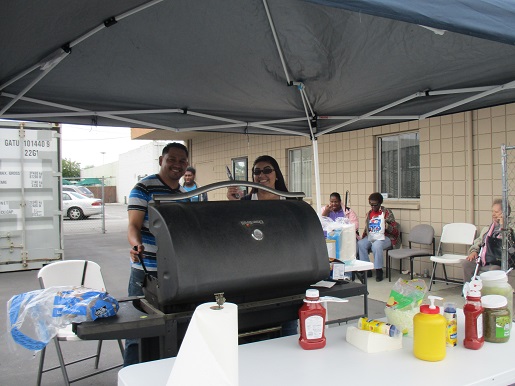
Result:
x=381 y=232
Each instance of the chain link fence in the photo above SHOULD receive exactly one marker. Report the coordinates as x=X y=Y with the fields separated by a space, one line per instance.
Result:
x=508 y=189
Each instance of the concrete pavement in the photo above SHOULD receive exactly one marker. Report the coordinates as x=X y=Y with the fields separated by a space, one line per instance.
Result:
x=19 y=366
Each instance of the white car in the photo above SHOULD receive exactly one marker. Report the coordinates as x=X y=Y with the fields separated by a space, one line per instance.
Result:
x=76 y=206
x=78 y=189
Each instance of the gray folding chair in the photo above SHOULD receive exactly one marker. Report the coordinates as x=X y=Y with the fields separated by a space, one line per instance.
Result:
x=422 y=234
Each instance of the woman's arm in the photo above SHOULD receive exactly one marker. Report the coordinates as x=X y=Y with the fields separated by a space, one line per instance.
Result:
x=392 y=227
x=353 y=218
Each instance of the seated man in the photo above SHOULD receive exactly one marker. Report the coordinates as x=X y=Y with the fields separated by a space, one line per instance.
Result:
x=334 y=210
x=381 y=232
x=486 y=251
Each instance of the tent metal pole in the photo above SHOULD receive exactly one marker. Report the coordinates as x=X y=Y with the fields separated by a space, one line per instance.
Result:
x=302 y=88
x=138 y=9
x=460 y=90
x=215 y=117
x=156 y=111
x=281 y=121
x=372 y=118
x=117 y=18
x=470 y=99
x=253 y=124
x=276 y=39
x=307 y=101
x=318 y=202
x=40 y=102
x=138 y=122
x=30 y=85
x=216 y=127
x=365 y=116
x=82 y=113
x=236 y=125
x=314 y=143
x=19 y=76
x=278 y=130
x=128 y=112
x=71 y=44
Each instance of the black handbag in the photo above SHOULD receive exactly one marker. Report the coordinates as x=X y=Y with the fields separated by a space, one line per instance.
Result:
x=493 y=253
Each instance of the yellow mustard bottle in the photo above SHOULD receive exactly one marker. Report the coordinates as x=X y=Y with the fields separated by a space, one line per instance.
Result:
x=429 y=332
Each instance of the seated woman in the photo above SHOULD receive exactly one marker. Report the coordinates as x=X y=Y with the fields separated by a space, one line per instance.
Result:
x=482 y=252
x=381 y=232
x=335 y=210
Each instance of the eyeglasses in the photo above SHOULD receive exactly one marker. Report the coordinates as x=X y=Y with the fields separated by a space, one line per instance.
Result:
x=266 y=170
x=374 y=204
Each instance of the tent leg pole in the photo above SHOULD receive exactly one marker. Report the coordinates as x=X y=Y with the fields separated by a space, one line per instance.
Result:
x=318 y=201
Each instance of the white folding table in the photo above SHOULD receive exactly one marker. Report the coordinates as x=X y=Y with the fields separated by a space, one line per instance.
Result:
x=282 y=362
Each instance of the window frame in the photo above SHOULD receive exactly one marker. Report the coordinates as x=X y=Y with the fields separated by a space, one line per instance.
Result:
x=379 y=153
x=291 y=174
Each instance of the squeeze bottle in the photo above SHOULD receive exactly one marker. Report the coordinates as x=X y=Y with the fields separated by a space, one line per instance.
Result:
x=378 y=327
x=312 y=322
x=451 y=334
x=429 y=328
x=473 y=311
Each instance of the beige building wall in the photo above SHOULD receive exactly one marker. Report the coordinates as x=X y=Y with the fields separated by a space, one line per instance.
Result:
x=455 y=186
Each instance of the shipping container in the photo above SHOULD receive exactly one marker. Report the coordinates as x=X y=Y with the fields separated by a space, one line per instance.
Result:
x=30 y=202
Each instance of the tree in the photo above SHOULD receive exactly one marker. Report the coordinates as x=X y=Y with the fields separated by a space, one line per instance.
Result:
x=70 y=168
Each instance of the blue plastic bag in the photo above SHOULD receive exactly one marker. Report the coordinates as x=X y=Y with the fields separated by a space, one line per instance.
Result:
x=35 y=317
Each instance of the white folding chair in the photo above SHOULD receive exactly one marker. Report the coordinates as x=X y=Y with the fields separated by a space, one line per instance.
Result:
x=454 y=233
x=72 y=273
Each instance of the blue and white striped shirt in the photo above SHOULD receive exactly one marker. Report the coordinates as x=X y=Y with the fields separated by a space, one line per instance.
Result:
x=140 y=196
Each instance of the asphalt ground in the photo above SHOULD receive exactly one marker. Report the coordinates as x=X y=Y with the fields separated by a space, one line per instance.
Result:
x=18 y=367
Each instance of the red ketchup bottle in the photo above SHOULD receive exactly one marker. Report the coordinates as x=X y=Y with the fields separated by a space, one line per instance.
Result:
x=473 y=310
x=312 y=322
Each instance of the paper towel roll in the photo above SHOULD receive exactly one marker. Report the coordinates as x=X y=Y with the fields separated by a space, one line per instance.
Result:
x=331 y=248
x=348 y=243
x=209 y=351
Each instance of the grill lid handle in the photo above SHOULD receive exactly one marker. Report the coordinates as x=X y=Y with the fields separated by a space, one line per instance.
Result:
x=225 y=184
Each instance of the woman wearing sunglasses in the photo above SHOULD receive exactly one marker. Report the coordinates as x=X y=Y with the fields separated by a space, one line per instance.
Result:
x=265 y=171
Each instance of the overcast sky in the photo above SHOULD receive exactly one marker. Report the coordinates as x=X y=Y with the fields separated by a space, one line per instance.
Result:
x=85 y=144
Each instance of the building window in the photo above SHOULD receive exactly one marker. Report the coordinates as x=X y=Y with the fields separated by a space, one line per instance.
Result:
x=399 y=165
x=300 y=161
x=240 y=170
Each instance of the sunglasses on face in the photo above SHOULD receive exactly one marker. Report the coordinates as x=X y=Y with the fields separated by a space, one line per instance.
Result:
x=266 y=170
x=374 y=204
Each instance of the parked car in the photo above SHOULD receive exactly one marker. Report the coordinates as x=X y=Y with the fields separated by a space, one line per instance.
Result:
x=78 y=189
x=77 y=207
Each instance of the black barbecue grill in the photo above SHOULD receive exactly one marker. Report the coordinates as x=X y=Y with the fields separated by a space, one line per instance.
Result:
x=262 y=255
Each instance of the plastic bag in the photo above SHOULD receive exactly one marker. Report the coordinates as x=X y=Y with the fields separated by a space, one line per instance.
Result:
x=35 y=317
x=404 y=303
x=376 y=228
x=407 y=294
x=344 y=233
